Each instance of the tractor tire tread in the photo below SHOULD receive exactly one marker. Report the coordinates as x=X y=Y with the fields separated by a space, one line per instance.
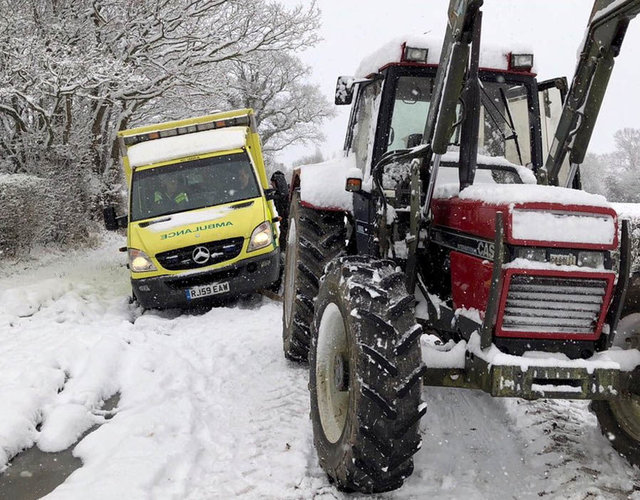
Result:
x=385 y=422
x=320 y=238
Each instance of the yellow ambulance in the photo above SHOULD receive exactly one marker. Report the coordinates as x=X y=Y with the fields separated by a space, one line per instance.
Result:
x=201 y=222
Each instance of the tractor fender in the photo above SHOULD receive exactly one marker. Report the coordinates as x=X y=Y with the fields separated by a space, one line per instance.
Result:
x=322 y=185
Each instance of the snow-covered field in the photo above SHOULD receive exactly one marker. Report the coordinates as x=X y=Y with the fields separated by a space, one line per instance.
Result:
x=209 y=408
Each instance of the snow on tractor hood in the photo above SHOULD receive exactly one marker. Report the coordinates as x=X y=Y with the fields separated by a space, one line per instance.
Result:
x=322 y=185
x=535 y=214
x=501 y=194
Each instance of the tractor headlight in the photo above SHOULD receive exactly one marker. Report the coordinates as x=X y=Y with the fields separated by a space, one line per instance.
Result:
x=591 y=259
x=261 y=237
x=139 y=262
x=521 y=62
x=531 y=253
x=415 y=54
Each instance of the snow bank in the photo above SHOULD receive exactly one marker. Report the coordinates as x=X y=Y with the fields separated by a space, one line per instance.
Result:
x=26 y=300
x=491 y=56
x=172 y=148
x=323 y=184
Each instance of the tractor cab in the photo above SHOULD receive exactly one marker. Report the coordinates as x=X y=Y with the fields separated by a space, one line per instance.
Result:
x=391 y=99
x=517 y=113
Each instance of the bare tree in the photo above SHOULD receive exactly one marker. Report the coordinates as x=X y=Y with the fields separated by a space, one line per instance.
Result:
x=74 y=72
x=616 y=175
x=289 y=111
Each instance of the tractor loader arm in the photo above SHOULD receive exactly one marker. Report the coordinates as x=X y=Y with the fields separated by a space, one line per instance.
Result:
x=605 y=33
x=463 y=29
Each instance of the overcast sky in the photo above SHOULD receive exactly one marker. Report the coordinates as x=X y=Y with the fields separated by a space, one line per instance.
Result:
x=352 y=29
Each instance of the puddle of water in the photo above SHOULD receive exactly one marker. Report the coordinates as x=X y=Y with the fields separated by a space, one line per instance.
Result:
x=34 y=473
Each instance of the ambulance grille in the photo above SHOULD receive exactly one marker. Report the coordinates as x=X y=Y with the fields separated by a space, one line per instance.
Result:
x=183 y=258
x=554 y=305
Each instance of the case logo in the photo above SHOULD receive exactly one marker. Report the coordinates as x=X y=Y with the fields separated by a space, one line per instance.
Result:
x=486 y=250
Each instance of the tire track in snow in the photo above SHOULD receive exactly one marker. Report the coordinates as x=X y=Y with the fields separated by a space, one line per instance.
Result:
x=256 y=438
x=475 y=446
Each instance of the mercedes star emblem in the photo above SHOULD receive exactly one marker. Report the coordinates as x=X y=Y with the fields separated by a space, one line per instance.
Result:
x=200 y=255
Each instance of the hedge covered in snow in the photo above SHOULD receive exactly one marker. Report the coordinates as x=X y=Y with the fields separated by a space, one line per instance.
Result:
x=37 y=211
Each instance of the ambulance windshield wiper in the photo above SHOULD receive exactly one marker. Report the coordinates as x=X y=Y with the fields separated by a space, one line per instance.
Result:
x=154 y=221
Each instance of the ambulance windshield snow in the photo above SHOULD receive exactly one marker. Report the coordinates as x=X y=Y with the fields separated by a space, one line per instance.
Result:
x=191 y=185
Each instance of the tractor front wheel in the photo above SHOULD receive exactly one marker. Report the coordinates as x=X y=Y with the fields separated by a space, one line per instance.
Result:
x=365 y=376
x=619 y=419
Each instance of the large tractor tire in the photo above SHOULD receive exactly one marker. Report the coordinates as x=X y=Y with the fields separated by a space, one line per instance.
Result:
x=620 y=419
x=365 y=376
x=315 y=237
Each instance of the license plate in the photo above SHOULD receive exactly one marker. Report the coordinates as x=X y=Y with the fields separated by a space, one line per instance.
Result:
x=205 y=290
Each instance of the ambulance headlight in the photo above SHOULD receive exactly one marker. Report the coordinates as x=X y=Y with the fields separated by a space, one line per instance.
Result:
x=261 y=237
x=139 y=262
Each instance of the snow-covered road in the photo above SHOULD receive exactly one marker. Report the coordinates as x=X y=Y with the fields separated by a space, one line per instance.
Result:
x=209 y=408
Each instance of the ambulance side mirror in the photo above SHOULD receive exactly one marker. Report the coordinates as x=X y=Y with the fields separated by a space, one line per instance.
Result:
x=111 y=221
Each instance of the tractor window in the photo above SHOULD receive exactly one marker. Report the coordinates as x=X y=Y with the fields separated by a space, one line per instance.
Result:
x=550 y=101
x=504 y=118
x=364 y=126
x=410 y=109
x=504 y=122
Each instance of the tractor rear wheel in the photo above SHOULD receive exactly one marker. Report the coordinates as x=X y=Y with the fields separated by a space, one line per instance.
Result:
x=365 y=376
x=314 y=238
x=620 y=419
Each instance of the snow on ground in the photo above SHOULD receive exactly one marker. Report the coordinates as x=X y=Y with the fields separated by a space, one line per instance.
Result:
x=209 y=408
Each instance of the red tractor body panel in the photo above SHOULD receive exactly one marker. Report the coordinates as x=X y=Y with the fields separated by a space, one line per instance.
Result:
x=538 y=300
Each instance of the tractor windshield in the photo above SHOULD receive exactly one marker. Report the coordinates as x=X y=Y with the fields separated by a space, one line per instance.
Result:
x=504 y=134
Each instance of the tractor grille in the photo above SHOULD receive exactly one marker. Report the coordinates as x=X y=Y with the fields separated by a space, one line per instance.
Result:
x=219 y=251
x=553 y=305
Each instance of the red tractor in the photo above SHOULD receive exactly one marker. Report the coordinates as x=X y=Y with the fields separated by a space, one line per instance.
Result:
x=452 y=246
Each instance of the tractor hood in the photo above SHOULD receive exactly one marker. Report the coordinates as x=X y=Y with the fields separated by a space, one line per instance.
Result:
x=534 y=215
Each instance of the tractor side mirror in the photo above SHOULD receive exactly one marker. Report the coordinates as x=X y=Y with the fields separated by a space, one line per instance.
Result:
x=344 y=90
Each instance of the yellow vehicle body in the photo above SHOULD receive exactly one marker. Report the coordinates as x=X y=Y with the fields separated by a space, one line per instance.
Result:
x=212 y=237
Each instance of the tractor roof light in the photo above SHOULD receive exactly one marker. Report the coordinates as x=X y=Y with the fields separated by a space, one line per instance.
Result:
x=520 y=62
x=414 y=54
